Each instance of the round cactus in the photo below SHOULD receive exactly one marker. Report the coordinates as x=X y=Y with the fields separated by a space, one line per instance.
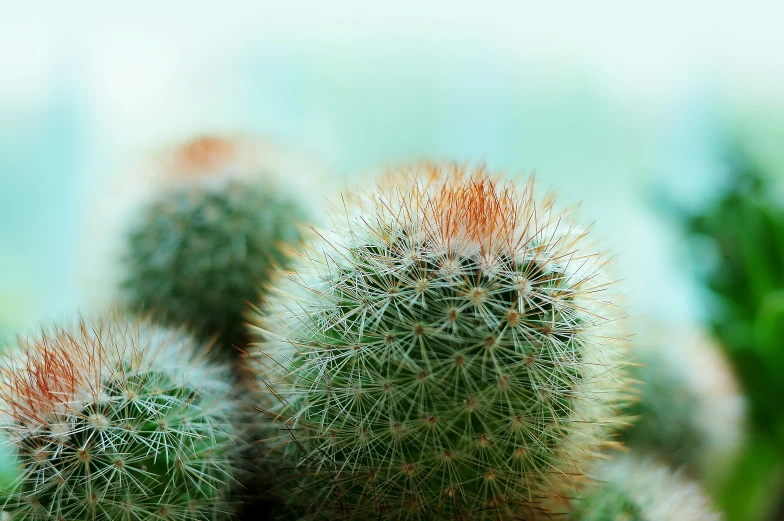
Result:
x=116 y=420
x=630 y=489
x=204 y=247
x=449 y=350
x=690 y=411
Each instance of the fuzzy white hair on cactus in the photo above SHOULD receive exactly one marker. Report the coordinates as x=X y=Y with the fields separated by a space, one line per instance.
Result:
x=642 y=490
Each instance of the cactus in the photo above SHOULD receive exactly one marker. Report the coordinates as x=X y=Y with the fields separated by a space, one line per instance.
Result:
x=116 y=420
x=690 y=412
x=633 y=489
x=204 y=247
x=450 y=350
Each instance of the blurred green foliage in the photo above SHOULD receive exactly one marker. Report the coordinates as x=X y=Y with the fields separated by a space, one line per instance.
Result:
x=737 y=244
x=739 y=252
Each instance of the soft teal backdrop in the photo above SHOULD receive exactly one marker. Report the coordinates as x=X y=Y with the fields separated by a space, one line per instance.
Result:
x=607 y=104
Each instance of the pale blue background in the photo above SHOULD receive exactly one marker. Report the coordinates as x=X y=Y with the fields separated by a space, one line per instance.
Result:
x=607 y=103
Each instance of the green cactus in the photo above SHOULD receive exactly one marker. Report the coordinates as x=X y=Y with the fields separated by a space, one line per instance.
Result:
x=450 y=351
x=691 y=412
x=630 y=489
x=116 y=420
x=205 y=247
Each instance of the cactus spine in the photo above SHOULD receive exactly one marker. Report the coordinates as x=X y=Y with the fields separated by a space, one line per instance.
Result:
x=115 y=420
x=204 y=247
x=449 y=350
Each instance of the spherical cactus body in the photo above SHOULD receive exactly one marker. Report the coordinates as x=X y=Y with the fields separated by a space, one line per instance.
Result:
x=116 y=420
x=633 y=489
x=690 y=411
x=449 y=350
x=203 y=247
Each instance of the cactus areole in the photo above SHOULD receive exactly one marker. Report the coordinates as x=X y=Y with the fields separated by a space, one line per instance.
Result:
x=449 y=350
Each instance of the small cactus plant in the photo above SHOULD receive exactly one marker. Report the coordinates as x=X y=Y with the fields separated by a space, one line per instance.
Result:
x=204 y=247
x=449 y=351
x=115 y=420
x=690 y=412
x=633 y=489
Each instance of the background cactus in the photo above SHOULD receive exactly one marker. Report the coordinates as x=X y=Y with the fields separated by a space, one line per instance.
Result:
x=203 y=247
x=116 y=420
x=632 y=489
x=690 y=411
x=450 y=350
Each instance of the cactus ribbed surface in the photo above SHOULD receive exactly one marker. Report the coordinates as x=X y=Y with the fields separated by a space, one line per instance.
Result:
x=204 y=247
x=116 y=420
x=449 y=350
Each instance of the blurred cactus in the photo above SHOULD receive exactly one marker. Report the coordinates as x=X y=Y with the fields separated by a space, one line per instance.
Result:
x=449 y=351
x=115 y=420
x=629 y=489
x=690 y=412
x=204 y=247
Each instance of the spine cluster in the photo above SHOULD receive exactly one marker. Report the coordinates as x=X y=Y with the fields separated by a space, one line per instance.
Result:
x=450 y=349
x=116 y=420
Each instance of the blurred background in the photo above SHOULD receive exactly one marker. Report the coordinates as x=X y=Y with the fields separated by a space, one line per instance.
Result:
x=662 y=120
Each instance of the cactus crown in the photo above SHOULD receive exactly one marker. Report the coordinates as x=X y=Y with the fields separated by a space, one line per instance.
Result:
x=204 y=248
x=114 y=420
x=447 y=351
